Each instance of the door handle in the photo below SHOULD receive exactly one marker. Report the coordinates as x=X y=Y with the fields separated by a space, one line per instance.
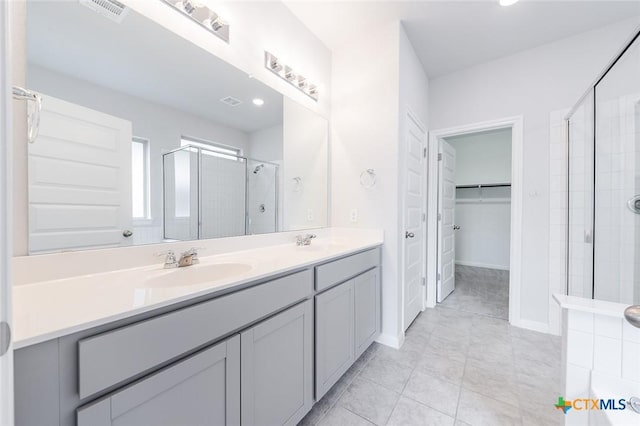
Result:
x=632 y=315
x=456 y=227
x=634 y=204
x=127 y=233
x=409 y=234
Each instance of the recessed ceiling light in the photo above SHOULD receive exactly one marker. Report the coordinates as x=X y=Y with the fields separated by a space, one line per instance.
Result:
x=508 y=2
x=258 y=102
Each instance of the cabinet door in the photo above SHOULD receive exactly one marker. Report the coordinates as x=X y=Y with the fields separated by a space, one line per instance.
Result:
x=276 y=368
x=204 y=389
x=335 y=349
x=367 y=309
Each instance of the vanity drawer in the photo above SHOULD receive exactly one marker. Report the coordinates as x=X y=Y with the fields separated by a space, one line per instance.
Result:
x=341 y=270
x=115 y=356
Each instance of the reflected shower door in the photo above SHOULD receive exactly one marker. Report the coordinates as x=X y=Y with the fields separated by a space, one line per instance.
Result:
x=222 y=195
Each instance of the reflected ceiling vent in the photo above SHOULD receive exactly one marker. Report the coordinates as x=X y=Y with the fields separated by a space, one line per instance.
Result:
x=111 y=9
x=231 y=101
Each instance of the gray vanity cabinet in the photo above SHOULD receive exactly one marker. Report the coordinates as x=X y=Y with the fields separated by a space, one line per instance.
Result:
x=347 y=314
x=335 y=350
x=203 y=389
x=277 y=368
x=367 y=309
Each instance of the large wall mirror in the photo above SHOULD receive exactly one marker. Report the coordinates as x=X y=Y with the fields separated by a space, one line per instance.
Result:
x=146 y=138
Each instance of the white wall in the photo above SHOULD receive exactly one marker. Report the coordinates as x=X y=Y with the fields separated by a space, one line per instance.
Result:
x=483 y=157
x=266 y=144
x=483 y=239
x=161 y=125
x=531 y=83
x=305 y=147
x=376 y=77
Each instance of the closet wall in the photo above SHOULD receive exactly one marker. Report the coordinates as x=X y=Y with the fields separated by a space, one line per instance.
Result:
x=483 y=214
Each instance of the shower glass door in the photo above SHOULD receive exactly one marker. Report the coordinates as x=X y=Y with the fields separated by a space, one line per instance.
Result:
x=616 y=254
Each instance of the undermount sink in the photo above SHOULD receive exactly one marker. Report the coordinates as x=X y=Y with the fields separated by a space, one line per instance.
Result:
x=198 y=274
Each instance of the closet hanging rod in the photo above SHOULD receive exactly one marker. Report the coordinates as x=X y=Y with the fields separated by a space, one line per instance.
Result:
x=487 y=185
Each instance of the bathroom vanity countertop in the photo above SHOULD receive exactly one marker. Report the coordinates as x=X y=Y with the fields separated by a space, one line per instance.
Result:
x=55 y=308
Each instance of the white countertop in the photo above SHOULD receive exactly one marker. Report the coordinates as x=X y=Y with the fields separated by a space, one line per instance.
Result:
x=54 y=308
x=601 y=307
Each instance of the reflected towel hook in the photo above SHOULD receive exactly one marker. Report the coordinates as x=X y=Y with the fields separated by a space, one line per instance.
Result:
x=298 y=184
x=33 y=119
x=368 y=178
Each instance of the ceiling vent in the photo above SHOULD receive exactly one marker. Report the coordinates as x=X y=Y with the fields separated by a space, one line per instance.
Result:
x=111 y=9
x=231 y=101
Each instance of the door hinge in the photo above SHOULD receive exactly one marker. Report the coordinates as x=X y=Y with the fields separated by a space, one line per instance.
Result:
x=439 y=156
x=438 y=276
x=424 y=281
x=5 y=337
x=424 y=152
x=424 y=217
x=439 y=216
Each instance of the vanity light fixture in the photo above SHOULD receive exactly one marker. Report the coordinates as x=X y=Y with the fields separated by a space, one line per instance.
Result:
x=201 y=14
x=508 y=2
x=273 y=64
x=258 y=102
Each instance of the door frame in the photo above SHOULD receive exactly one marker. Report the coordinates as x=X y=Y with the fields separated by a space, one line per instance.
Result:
x=6 y=195
x=410 y=115
x=515 y=249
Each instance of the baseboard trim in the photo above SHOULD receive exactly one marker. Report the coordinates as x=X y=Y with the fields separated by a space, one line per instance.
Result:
x=391 y=341
x=541 y=327
x=482 y=265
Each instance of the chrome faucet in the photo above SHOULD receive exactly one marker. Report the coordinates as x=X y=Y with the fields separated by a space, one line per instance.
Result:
x=304 y=240
x=170 y=260
x=188 y=258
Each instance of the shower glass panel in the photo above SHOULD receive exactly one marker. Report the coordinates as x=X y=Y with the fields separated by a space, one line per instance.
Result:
x=604 y=185
x=181 y=195
x=617 y=181
x=262 y=197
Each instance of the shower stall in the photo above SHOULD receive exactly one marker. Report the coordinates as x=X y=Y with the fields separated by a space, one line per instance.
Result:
x=208 y=194
x=603 y=131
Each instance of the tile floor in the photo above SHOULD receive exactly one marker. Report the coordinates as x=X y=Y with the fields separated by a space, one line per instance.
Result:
x=455 y=368
x=481 y=291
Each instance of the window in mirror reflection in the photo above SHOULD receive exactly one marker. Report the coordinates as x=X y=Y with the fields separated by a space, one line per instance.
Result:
x=213 y=148
x=140 y=178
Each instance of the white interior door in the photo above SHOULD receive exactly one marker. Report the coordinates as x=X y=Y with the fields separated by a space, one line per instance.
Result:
x=446 y=221
x=79 y=179
x=414 y=205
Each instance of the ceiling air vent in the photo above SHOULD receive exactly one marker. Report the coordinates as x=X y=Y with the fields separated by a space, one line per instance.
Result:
x=111 y=9
x=231 y=101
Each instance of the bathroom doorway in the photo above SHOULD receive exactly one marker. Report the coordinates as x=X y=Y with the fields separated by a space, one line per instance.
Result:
x=474 y=207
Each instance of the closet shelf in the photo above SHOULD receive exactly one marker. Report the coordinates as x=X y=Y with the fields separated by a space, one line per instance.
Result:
x=485 y=185
x=483 y=200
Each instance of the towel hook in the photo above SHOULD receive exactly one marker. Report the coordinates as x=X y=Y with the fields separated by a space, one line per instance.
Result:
x=368 y=178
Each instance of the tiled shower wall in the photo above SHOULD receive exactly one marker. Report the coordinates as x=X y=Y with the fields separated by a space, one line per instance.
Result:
x=596 y=343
